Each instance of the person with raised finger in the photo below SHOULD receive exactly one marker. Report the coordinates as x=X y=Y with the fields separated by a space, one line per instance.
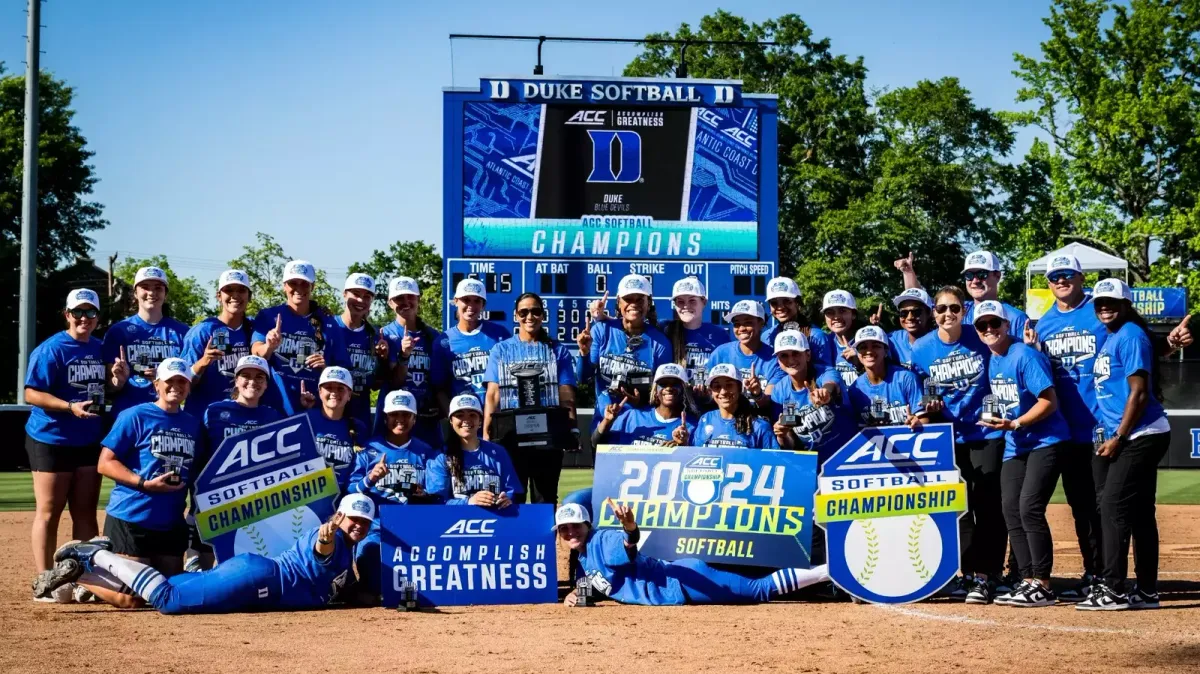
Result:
x=337 y=432
x=654 y=425
x=841 y=313
x=982 y=274
x=692 y=340
x=214 y=346
x=748 y=352
x=886 y=394
x=813 y=403
x=915 y=309
x=361 y=340
x=148 y=337
x=471 y=471
x=472 y=337
x=65 y=387
x=735 y=422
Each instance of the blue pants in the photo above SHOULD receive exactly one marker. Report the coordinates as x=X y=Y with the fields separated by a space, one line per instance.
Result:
x=702 y=584
x=367 y=561
x=248 y=582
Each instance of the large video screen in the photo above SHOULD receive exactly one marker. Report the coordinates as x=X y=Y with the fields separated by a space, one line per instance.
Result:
x=588 y=181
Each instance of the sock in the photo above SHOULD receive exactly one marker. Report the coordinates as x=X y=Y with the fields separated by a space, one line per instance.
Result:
x=784 y=581
x=101 y=578
x=145 y=581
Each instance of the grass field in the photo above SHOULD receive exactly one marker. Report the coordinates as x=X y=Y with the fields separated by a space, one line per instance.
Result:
x=1175 y=487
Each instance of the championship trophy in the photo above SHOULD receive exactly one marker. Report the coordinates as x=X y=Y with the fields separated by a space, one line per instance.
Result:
x=142 y=362
x=408 y=596
x=993 y=409
x=493 y=488
x=879 y=415
x=639 y=381
x=583 y=593
x=789 y=417
x=303 y=351
x=220 y=340
x=405 y=481
x=95 y=393
x=790 y=325
x=930 y=393
x=174 y=473
x=527 y=423
x=1098 y=438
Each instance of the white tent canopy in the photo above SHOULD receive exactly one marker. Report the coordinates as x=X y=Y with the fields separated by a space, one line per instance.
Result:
x=1089 y=258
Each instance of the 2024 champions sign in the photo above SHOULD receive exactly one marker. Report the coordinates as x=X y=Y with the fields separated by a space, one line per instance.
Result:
x=737 y=506
x=889 y=502
x=264 y=489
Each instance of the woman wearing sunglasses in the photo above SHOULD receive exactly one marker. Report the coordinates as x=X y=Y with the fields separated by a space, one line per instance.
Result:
x=840 y=312
x=810 y=409
x=885 y=394
x=531 y=348
x=915 y=309
x=65 y=384
x=783 y=299
x=735 y=422
x=982 y=276
x=1132 y=438
x=665 y=423
x=692 y=340
x=1035 y=434
x=953 y=363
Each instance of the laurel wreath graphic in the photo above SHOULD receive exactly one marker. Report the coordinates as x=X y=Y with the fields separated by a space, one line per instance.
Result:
x=298 y=522
x=256 y=538
x=914 y=546
x=872 y=560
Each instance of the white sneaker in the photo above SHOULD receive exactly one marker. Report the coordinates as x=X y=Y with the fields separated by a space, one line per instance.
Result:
x=64 y=594
x=1006 y=597
x=1031 y=595
x=1103 y=598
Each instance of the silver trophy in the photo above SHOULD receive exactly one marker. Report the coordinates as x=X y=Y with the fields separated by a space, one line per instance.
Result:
x=303 y=351
x=406 y=479
x=220 y=340
x=1098 y=438
x=528 y=379
x=789 y=417
x=993 y=409
x=879 y=415
x=95 y=393
x=408 y=596
x=583 y=593
x=930 y=394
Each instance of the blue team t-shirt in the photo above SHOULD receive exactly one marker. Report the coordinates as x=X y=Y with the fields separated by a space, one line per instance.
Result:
x=610 y=355
x=698 y=345
x=1072 y=340
x=766 y=367
x=334 y=443
x=146 y=346
x=899 y=391
x=958 y=371
x=1017 y=379
x=558 y=369
x=428 y=371
x=635 y=426
x=1016 y=319
x=150 y=441
x=900 y=349
x=307 y=579
x=66 y=369
x=470 y=356
x=300 y=334
x=361 y=360
x=642 y=580
x=1125 y=353
x=407 y=465
x=486 y=466
x=216 y=383
x=714 y=431
x=823 y=428
x=846 y=369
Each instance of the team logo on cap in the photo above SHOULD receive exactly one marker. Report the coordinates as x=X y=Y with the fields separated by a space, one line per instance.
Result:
x=470 y=286
x=1107 y=286
x=791 y=340
x=174 y=365
x=153 y=272
x=990 y=307
x=361 y=505
x=1062 y=262
x=869 y=333
x=978 y=258
x=634 y=283
x=84 y=295
x=670 y=370
x=915 y=293
x=361 y=281
x=299 y=269
x=688 y=286
x=403 y=285
x=723 y=370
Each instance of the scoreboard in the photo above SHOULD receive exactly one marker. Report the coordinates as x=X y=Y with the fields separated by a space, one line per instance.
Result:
x=561 y=187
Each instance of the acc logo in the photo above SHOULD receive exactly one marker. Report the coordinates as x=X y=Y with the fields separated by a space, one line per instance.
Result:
x=888 y=448
x=471 y=529
x=1195 y=443
x=251 y=450
x=630 y=152
x=587 y=118
x=702 y=478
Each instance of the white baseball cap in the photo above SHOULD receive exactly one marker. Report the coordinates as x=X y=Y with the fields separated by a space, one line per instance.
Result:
x=990 y=308
x=839 y=298
x=149 y=274
x=299 y=270
x=634 y=284
x=233 y=277
x=357 y=505
x=782 y=286
x=746 y=308
x=791 y=340
x=570 y=513
x=913 y=295
x=336 y=375
x=359 y=282
x=870 y=333
x=982 y=259
x=82 y=296
x=722 y=370
x=399 y=401
x=670 y=371
x=1113 y=288
x=689 y=285
x=403 y=285
x=1065 y=262
x=252 y=363
x=173 y=367
x=470 y=287
x=465 y=401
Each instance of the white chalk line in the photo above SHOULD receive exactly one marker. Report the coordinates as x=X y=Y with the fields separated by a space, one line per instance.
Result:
x=963 y=620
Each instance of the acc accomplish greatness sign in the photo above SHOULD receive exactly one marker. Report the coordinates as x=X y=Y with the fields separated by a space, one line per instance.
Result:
x=889 y=502
x=738 y=506
x=462 y=555
x=264 y=489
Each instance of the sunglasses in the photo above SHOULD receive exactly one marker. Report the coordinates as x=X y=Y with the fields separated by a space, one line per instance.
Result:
x=1060 y=276
x=980 y=274
x=84 y=313
x=671 y=386
x=911 y=313
x=1108 y=304
x=525 y=313
x=955 y=309
x=989 y=323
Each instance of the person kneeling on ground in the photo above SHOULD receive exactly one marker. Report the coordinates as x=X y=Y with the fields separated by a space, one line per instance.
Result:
x=610 y=559
x=301 y=577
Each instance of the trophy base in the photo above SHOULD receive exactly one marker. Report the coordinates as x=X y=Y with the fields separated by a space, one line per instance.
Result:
x=536 y=429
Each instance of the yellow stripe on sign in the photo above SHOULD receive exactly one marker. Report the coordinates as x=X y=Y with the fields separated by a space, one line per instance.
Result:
x=862 y=505
x=260 y=505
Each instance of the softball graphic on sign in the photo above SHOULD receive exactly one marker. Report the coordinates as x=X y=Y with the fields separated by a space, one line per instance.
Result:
x=889 y=501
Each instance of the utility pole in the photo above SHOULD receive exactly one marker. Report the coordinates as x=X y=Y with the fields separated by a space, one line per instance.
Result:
x=29 y=200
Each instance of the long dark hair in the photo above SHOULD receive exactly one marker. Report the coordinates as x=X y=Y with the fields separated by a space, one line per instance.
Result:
x=676 y=337
x=744 y=415
x=1130 y=313
x=454 y=456
x=542 y=336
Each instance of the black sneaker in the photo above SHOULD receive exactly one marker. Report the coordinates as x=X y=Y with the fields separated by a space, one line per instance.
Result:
x=980 y=593
x=1139 y=600
x=1002 y=599
x=955 y=589
x=1031 y=595
x=1080 y=590
x=1102 y=598
x=1008 y=583
x=63 y=572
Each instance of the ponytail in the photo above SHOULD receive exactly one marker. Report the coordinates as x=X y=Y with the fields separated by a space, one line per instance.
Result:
x=675 y=335
x=454 y=458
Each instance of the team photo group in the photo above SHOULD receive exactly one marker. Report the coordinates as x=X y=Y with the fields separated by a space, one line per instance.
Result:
x=1076 y=396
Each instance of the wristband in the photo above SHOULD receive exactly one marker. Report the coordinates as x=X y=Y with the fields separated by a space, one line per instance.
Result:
x=141 y=483
x=324 y=541
x=632 y=537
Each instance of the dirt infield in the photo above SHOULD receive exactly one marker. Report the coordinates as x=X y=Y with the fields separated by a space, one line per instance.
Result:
x=792 y=637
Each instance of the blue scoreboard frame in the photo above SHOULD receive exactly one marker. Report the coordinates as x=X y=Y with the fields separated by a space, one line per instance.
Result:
x=500 y=151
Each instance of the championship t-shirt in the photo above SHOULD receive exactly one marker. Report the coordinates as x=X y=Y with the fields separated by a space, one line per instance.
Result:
x=821 y=428
x=553 y=359
x=360 y=352
x=1126 y=352
x=958 y=371
x=635 y=426
x=714 y=431
x=642 y=580
x=698 y=345
x=762 y=361
x=335 y=444
x=302 y=337
x=615 y=353
x=1017 y=379
x=406 y=466
x=1072 y=340
x=69 y=370
x=484 y=468
x=307 y=579
x=150 y=442
x=899 y=395
x=216 y=383
x=146 y=346
x=428 y=372
x=470 y=350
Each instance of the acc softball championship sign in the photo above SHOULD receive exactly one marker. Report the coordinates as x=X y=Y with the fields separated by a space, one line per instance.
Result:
x=889 y=502
x=461 y=555
x=264 y=489
x=737 y=506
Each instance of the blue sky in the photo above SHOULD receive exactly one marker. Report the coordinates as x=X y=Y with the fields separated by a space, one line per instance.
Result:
x=319 y=122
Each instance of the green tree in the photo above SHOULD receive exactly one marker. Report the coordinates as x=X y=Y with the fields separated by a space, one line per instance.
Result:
x=263 y=263
x=65 y=214
x=1116 y=89
x=415 y=259
x=188 y=301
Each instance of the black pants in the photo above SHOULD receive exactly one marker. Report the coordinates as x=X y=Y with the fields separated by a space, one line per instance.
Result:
x=538 y=471
x=1079 y=485
x=982 y=530
x=1126 y=486
x=1027 y=483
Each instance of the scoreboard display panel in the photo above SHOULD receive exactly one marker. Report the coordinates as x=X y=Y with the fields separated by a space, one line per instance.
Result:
x=561 y=187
